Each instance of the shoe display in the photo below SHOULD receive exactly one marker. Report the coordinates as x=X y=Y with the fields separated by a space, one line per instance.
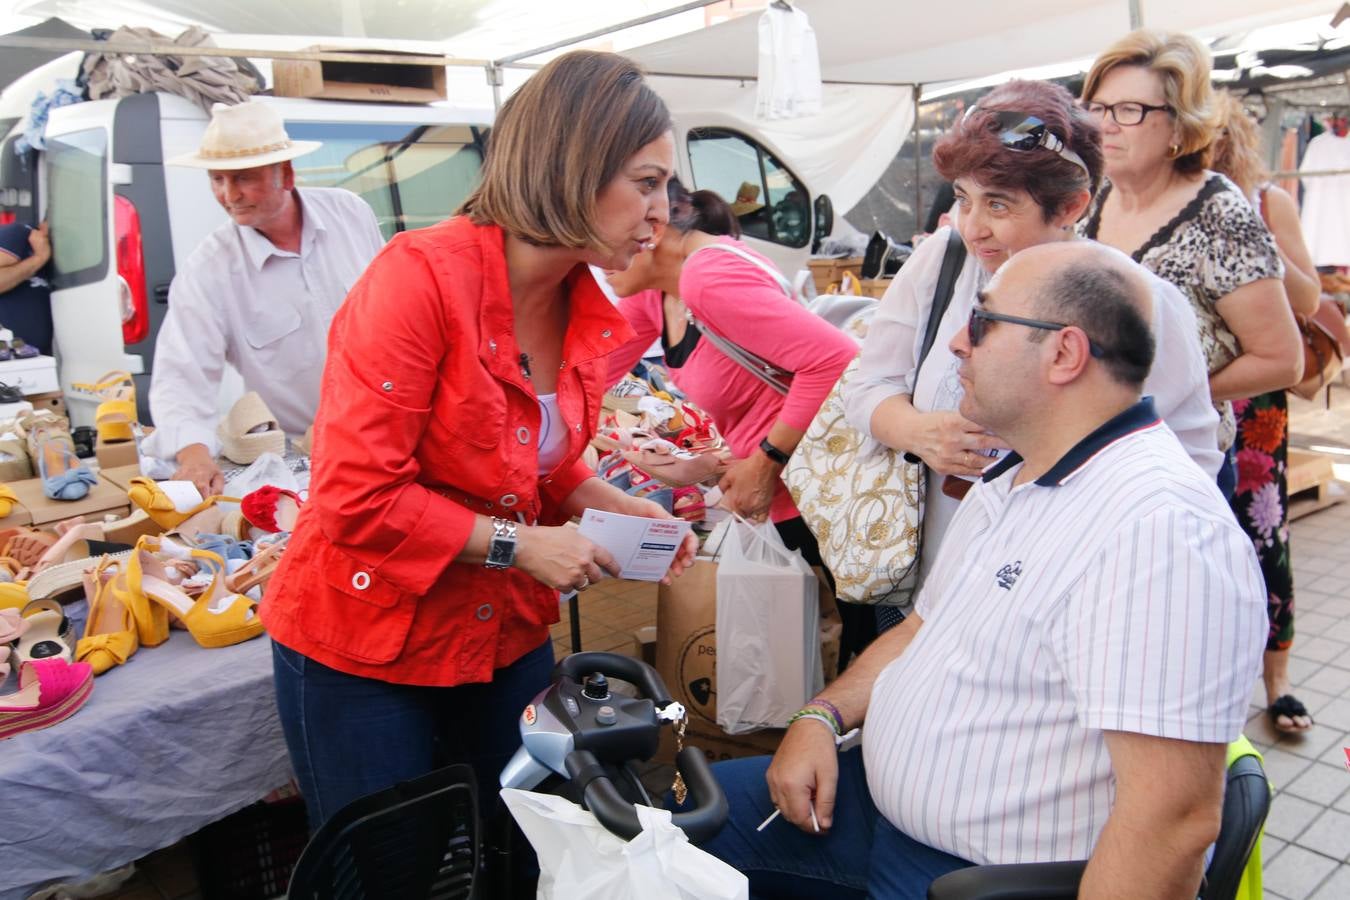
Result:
x=116 y=413
x=52 y=449
x=110 y=633
x=218 y=618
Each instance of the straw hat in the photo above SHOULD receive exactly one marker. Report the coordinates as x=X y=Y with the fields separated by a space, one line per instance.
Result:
x=747 y=200
x=242 y=137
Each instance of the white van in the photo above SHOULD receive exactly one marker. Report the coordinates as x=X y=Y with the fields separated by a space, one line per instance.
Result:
x=122 y=221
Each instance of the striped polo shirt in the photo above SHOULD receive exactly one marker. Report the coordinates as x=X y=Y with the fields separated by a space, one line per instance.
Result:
x=1115 y=592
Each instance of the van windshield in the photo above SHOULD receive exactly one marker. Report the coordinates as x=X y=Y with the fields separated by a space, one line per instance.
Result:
x=77 y=207
x=411 y=175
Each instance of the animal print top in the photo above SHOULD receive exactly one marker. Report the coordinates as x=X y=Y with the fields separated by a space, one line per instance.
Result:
x=1215 y=245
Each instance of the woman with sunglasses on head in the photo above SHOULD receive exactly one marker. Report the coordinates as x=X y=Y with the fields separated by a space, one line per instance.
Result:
x=1024 y=163
x=1261 y=500
x=1151 y=93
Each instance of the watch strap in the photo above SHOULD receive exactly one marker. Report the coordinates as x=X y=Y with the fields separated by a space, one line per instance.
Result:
x=773 y=452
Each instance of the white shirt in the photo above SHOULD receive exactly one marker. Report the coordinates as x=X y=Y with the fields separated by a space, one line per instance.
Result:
x=238 y=299
x=552 y=434
x=1116 y=592
x=1178 y=381
x=1326 y=227
x=789 y=66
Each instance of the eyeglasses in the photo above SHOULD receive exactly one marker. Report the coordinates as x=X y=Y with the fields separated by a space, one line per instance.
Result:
x=1022 y=132
x=1128 y=113
x=977 y=327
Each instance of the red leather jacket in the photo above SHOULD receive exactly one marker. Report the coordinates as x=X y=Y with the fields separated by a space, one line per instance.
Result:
x=424 y=420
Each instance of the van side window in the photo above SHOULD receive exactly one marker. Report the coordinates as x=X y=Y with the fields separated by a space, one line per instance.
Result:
x=771 y=203
x=77 y=207
x=412 y=176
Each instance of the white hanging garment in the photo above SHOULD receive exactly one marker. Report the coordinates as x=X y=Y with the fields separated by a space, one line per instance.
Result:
x=1326 y=200
x=789 y=65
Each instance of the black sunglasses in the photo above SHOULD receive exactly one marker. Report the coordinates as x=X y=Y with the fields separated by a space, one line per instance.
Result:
x=977 y=328
x=1022 y=132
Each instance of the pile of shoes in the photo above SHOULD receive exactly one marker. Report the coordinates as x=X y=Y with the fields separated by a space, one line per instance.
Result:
x=665 y=450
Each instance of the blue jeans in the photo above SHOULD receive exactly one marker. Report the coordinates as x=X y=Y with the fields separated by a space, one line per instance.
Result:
x=862 y=855
x=350 y=736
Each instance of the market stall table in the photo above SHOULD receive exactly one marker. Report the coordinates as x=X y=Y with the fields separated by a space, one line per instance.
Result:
x=177 y=738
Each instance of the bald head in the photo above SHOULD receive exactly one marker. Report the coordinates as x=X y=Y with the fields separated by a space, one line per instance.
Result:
x=1098 y=289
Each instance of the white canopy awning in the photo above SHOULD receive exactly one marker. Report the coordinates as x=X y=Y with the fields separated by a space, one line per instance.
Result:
x=919 y=42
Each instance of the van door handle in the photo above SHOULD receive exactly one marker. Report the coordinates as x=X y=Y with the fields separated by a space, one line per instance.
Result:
x=161 y=293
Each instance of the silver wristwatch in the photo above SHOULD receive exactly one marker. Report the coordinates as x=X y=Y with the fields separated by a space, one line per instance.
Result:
x=502 y=545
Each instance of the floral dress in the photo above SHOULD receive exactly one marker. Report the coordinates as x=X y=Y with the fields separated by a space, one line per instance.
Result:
x=1215 y=245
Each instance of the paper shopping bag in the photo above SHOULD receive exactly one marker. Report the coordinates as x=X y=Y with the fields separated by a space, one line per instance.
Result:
x=768 y=630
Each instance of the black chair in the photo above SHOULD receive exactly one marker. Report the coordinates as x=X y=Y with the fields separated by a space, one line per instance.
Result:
x=418 y=839
x=1246 y=801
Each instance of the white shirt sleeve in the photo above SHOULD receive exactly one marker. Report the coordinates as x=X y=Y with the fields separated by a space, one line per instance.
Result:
x=189 y=361
x=886 y=365
x=1166 y=643
x=1179 y=378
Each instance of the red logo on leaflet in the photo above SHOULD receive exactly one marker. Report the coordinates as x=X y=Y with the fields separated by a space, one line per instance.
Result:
x=530 y=715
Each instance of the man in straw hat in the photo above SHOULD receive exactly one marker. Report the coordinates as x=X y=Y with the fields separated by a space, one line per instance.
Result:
x=258 y=293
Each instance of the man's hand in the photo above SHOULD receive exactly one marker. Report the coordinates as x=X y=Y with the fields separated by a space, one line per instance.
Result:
x=196 y=465
x=42 y=246
x=749 y=485
x=805 y=770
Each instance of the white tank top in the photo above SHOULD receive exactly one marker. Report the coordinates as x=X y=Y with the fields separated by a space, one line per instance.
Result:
x=552 y=433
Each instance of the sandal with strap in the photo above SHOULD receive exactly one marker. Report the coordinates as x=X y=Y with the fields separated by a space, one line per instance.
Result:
x=257 y=570
x=271 y=508
x=159 y=506
x=48 y=635
x=110 y=633
x=1289 y=706
x=112 y=385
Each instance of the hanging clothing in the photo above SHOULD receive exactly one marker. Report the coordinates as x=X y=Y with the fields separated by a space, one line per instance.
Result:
x=1326 y=227
x=789 y=65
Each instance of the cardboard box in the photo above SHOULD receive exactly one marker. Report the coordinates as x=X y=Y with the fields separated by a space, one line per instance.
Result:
x=686 y=659
x=55 y=401
x=373 y=81
x=103 y=499
x=825 y=272
x=119 y=476
x=117 y=454
x=875 y=287
x=35 y=375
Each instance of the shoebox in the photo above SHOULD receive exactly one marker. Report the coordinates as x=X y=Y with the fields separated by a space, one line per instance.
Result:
x=36 y=375
x=103 y=499
x=380 y=80
x=119 y=476
x=53 y=400
x=117 y=454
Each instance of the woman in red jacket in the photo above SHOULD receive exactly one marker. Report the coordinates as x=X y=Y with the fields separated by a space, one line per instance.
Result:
x=410 y=616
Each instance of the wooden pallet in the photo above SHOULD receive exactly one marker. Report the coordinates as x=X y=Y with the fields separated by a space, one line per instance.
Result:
x=1310 y=478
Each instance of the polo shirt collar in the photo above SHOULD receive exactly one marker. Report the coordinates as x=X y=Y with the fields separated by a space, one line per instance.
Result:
x=260 y=249
x=1138 y=417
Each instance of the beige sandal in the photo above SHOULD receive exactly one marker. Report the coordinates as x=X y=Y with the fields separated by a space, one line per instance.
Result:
x=250 y=430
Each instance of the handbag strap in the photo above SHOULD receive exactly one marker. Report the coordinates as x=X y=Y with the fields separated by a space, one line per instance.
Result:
x=953 y=258
x=757 y=366
x=952 y=261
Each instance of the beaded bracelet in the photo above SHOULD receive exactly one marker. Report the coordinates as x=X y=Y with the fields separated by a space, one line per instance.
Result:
x=813 y=709
x=833 y=710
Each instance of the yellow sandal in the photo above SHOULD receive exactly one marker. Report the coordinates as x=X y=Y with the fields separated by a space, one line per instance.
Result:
x=149 y=496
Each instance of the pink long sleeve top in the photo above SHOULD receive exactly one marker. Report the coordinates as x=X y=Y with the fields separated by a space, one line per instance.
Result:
x=741 y=302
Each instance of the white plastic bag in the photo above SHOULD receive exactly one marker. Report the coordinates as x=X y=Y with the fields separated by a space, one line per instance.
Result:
x=580 y=858
x=768 y=630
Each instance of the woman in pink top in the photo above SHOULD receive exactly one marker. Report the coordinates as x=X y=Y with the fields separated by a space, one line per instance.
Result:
x=698 y=267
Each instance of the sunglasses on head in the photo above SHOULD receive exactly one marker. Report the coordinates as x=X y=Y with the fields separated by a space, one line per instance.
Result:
x=1022 y=132
x=978 y=326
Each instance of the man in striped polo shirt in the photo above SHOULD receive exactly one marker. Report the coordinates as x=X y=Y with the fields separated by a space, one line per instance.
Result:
x=1078 y=659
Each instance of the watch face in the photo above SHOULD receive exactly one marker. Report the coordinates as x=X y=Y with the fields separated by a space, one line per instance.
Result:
x=501 y=552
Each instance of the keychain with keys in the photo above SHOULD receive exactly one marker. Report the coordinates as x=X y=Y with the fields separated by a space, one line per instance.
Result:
x=675 y=712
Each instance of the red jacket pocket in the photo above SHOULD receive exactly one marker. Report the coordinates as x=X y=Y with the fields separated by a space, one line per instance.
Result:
x=352 y=610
